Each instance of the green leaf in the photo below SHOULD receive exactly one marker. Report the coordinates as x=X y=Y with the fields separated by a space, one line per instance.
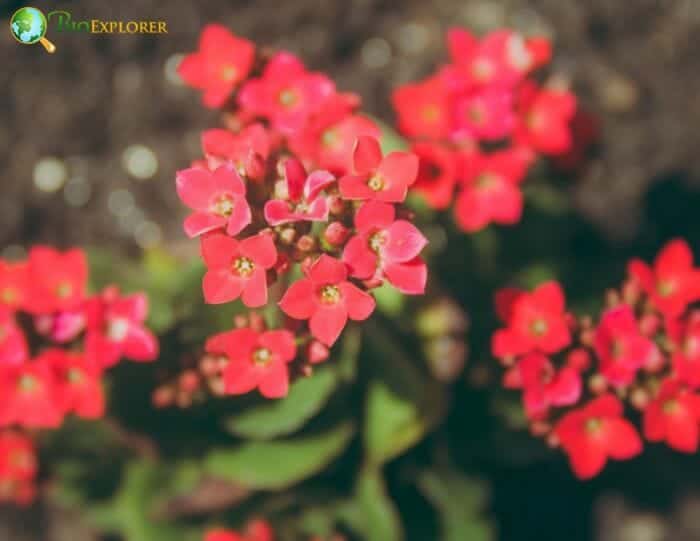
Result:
x=276 y=465
x=403 y=401
x=277 y=418
x=129 y=512
x=458 y=500
x=371 y=513
x=390 y=140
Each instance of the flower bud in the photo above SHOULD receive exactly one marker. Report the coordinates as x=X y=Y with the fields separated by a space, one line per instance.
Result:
x=336 y=234
x=597 y=384
x=639 y=398
x=254 y=166
x=579 y=359
x=317 y=352
x=306 y=243
x=189 y=381
x=446 y=358
x=163 y=397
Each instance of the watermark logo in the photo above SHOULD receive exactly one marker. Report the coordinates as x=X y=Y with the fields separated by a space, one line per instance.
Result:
x=29 y=25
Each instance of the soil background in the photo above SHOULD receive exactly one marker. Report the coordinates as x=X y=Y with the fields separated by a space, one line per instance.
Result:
x=79 y=127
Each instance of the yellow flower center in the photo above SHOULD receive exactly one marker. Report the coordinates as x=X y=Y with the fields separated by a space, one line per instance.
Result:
x=593 y=425
x=376 y=183
x=229 y=73
x=377 y=240
x=243 y=266
x=330 y=138
x=223 y=206
x=330 y=294
x=288 y=98
x=64 y=290
x=539 y=327
x=262 y=356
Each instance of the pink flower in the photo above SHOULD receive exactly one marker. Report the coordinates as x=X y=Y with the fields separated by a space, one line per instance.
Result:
x=388 y=247
x=535 y=321
x=422 y=109
x=329 y=136
x=286 y=94
x=485 y=114
x=621 y=348
x=116 y=328
x=237 y=268
x=596 y=432
x=304 y=199
x=673 y=282
x=217 y=198
x=57 y=280
x=221 y=63
x=546 y=116
x=491 y=191
x=247 y=150
x=29 y=395
x=437 y=174
x=543 y=386
x=256 y=360
x=375 y=177
x=673 y=417
x=78 y=383
x=685 y=335
x=327 y=299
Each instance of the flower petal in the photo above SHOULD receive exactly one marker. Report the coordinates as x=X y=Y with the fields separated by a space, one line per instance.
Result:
x=410 y=277
x=366 y=154
x=360 y=304
x=328 y=322
x=220 y=286
x=299 y=300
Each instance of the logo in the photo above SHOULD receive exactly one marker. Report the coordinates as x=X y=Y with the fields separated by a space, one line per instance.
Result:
x=29 y=25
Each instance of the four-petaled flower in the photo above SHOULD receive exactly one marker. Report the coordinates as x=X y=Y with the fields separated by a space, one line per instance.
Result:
x=536 y=322
x=57 y=280
x=255 y=360
x=327 y=299
x=116 y=328
x=221 y=63
x=386 y=247
x=379 y=178
x=596 y=432
x=237 y=268
x=621 y=348
x=673 y=417
x=544 y=386
x=673 y=282
x=303 y=198
x=218 y=199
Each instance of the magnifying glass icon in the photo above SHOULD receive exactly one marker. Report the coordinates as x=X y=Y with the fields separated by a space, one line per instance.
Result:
x=28 y=26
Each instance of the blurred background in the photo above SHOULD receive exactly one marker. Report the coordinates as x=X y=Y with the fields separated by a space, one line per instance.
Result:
x=91 y=136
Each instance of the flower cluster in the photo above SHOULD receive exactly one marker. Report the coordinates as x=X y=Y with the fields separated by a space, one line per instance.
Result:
x=18 y=468
x=578 y=378
x=296 y=200
x=56 y=340
x=478 y=123
x=255 y=530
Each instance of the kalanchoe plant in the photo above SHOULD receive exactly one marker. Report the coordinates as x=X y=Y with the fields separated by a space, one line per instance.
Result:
x=480 y=122
x=296 y=202
x=579 y=378
x=56 y=341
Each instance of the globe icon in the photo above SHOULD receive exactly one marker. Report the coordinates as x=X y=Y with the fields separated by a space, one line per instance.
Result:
x=28 y=25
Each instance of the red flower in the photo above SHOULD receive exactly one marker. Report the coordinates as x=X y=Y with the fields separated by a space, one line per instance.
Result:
x=329 y=136
x=422 y=109
x=685 y=335
x=286 y=94
x=387 y=247
x=437 y=174
x=543 y=386
x=29 y=396
x=673 y=417
x=673 y=282
x=237 y=268
x=78 y=383
x=621 y=349
x=256 y=530
x=545 y=119
x=13 y=345
x=486 y=114
x=255 y=360
x=379 y=178
x=491 y=191
x=17 y=457
x=592 y=434
x=14 y=284
x=246 y=150
x=217 y=198
x=304 y=201
x=221 y=63
x=58 y=280
x=116 y=328
x=536 y=322
x=223 y=535
x=327 y=299
x=501 y=58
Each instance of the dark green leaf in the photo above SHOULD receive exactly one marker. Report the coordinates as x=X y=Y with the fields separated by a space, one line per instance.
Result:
x=279 y=464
